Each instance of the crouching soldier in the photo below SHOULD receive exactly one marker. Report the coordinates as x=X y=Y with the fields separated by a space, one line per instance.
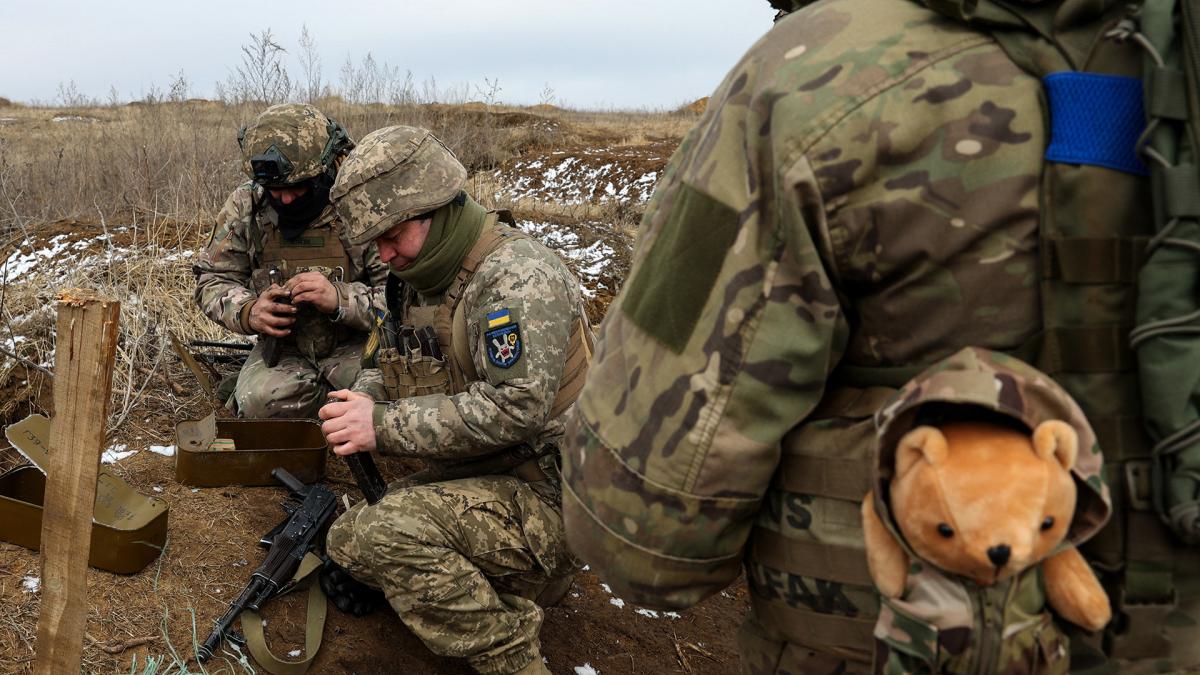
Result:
x=481 y=354
x=279 y=266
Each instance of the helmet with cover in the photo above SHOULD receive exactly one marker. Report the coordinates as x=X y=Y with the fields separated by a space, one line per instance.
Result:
x=395 y=174
x=290 y=143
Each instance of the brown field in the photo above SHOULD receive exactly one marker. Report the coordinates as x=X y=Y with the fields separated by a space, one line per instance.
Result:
x=119 y=198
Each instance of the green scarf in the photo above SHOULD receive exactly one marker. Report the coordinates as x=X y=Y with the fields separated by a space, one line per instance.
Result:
x=452 y=233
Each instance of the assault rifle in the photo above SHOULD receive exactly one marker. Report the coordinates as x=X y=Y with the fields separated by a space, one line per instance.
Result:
x=287 y=544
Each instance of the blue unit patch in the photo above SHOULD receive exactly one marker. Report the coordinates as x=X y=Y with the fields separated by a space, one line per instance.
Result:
x=503 y=345
x=1095 y=119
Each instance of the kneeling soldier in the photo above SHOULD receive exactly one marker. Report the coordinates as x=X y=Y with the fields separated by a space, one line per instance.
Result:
x=481 y=354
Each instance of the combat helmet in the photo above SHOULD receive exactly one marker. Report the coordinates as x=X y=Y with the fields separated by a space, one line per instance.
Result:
x=395 y=174
x=290 y=143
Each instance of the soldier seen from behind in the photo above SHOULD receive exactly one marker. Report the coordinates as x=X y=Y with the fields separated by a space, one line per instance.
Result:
x=875 y=186
x=279 y=267
x=473 y=369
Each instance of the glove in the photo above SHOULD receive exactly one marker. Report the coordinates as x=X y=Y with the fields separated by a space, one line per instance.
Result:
x=347 y=593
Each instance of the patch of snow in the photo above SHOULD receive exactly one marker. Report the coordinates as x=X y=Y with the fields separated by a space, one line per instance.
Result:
x=586 y=669
x=116 y=453
x=649 y=613
x=675 y=615
x=580 y=179
x=164 y=450
x=617 y=602
x=7 y=120
x=294 y=653
x=157 y=489
x=606 y=587
x=31 y=584
x=73 y=118
x=20 y=263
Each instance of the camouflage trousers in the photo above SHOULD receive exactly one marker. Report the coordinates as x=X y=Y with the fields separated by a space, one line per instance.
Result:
x=462 y=562
x=296 y=386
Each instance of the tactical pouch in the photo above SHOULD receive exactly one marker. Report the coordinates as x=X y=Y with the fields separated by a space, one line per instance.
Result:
x=412 y=375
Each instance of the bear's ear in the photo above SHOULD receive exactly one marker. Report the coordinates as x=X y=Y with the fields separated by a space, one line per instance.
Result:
x=926 y=443
x=1054 y=439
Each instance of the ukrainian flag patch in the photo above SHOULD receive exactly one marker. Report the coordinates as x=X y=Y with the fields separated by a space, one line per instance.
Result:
x=499 y=318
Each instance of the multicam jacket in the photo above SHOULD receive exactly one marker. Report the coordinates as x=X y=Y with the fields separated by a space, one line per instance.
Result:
x=521 y=288
x=224 y=270
x=860 y=200
x=949 y=625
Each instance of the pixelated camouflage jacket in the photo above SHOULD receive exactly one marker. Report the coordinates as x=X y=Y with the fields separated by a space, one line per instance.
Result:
x=223 y=269
x=510 y=405
x=862 y=191
x=935 y=623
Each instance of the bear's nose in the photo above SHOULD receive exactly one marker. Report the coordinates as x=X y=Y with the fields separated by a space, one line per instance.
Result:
x=999 y=554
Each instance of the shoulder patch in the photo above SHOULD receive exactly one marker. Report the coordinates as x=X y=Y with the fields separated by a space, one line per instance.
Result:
x=502 y=340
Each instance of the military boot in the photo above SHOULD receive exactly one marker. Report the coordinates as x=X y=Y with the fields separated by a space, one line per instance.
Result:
x=554 y=591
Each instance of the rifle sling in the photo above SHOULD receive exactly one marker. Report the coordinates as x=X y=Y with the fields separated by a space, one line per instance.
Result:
x=252 y=625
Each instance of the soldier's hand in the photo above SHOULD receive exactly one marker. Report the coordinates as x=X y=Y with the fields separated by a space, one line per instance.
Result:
x=349 y=423
x=315 y=288
x=270 y=316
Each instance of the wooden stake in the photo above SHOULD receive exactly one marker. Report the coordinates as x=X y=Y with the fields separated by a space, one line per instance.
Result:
x=83 y=365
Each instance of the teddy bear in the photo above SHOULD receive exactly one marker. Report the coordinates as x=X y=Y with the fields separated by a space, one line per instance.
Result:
x=984 y=502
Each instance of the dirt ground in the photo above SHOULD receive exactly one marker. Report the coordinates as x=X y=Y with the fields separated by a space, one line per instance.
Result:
x=211 y=549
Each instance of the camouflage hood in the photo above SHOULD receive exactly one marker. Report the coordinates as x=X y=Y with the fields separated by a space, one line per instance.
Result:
x=1005 y=385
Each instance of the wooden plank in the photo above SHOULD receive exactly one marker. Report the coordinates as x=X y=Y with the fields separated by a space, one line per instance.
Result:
x=83 y=365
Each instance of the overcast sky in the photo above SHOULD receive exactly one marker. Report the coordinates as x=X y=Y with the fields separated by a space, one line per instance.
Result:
x=592 y=54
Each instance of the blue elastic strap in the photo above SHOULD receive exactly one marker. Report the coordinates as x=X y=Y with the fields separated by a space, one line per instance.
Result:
x=1095 y=119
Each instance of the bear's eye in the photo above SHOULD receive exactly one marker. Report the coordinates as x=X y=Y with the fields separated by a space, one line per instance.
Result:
x=945 y=530
x=1047 y=523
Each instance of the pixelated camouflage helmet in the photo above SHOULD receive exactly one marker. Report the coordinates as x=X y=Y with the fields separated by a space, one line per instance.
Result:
x=290 y=143
x=394 y=174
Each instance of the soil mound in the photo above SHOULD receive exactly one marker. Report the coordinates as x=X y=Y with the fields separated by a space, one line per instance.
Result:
x=697 y=107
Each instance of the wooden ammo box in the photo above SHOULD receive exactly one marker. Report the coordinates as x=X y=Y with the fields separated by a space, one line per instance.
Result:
x=128 y=528
x=214 y=452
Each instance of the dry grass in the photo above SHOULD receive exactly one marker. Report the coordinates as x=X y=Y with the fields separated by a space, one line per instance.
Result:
x=150 y=179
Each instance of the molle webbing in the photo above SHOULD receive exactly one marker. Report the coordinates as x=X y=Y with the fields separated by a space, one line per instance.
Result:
x=1089 y=210
x=849 y=637
x=827 y=458
x=1168 y=310
x=319 y=246
x=809 y=558
x=846 y=472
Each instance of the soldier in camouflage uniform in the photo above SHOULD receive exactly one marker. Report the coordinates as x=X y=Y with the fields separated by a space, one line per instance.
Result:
x=863 y=197
x=315 y=310
x=467 y=551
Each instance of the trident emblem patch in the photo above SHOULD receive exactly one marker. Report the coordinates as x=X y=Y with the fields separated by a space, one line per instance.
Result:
x=502 y=339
